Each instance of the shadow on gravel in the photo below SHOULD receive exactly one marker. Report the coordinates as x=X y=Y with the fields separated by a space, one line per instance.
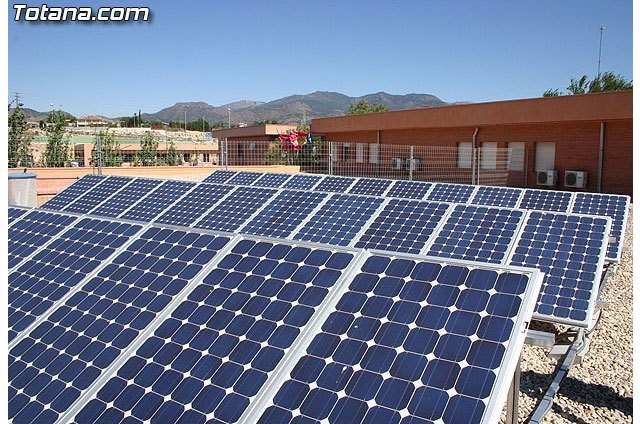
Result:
x=534 y=385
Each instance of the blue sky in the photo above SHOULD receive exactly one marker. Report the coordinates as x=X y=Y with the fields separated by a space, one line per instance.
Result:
x=223 y=51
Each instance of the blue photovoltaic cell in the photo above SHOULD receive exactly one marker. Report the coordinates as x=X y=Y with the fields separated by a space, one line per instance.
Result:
x=370 y=186
x=219 y=177
x=568 y=249
x=451 y=193
x=32 y=231
x=188 y=209
x=409 y=189
x=72 y=192
x=339 y=220
x=210 y=358
x=149 y=207
x=302 y=181
x=403 y=226
x=272 y=180
x=408 y=342
x=283 y=213
x=36 y=284
x=497 y=196
x=334 y=184
x=615 y=207
x=232 y=212
x=245 y=178
x=477 y=233
x=546 y=200
x=67 y=352
x=15 y=213
x=94 y=196
x=126 y=197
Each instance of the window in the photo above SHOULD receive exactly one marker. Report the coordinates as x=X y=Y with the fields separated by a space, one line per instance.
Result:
x=545 y=156
x=206 y=157
x=464 y=155
x=359 y=153
x=516 y=156
x=488 y=155
x=345 y=152
x=374 y=150
x=186 y=157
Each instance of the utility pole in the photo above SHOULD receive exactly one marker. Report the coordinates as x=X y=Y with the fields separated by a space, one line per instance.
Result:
x=602 y=28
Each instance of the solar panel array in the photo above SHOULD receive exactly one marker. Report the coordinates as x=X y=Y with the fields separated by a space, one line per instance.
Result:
x=96 y=195
x=72 y=192
x=15 y=212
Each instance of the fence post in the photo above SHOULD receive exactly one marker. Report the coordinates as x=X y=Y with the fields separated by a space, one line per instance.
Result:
x=99 y=153
x=331 y=158
x=410 y=163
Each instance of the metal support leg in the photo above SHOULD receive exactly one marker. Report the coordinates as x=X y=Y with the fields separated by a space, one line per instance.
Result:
x=514 y=393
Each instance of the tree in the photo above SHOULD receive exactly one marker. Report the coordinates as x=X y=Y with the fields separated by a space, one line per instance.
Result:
x=173 y=158
x=111 y=155
x=19 y=140
x=363 y=107
x=148 y=150
x=607 y=81
x=57 y=151
x=552 y=93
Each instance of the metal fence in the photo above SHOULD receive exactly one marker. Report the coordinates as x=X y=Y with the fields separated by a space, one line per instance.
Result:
x=488 y=165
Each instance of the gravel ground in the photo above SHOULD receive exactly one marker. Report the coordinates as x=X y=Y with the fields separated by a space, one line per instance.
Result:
x=600 y=389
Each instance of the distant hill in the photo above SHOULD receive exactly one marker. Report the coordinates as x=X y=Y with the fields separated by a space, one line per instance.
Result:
x=289 y=110
x=34 y=115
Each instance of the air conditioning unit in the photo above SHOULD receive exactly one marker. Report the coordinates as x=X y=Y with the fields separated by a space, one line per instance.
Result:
x=416 y=164
x=575 y=179
x=547 y=178
x=397 y=163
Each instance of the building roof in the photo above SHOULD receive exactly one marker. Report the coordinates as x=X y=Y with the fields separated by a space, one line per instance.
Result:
x=589 y=107
x=254 y=131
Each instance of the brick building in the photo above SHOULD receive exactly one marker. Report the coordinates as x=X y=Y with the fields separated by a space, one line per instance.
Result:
x=250 y=145
x=592 y=133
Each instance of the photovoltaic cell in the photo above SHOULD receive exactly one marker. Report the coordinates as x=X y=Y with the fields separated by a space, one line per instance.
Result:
x=15 y=213
x=209 y=359
x=546 y=200
x=244 y=178
x=569 y=250
x=409 y=189
x=152 y=205
x=126 y=197
x=283 y=213
x=615 y=207
x=451 y=193
x=403 y=226
x=32 y=231
x=232 y=212
x=302 y=181
x=96 y=195
x=339 y=220
x=370 y=186
x=272 y=180
x=188 y=209
x=67 y=352
x=72 y=192
x=219 y=176
x=477 y=233
x=411 y=341
x=497 y=196
x=335 y=184
x=41 y=281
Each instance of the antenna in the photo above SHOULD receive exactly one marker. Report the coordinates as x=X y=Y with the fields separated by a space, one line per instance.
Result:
x=602 y=28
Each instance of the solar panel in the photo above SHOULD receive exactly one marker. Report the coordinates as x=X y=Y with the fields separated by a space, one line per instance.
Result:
x=96 y=195
x=403 y=226
x=189 y=208
x=15 y=213
x=156 y=202
x=244 y=178
x=409 y=189
x=47 y=276
x=613 y=206
x=64 y=354
x=219 y=177
x=272 y=180
x=126 y=197
x=497 y=196
x=339 y=220
x=72 y=192
x=213 y=355
x=477 y=233
x=302 y=181
x=451 y=193
x=411 y=341
x=32 y=232
x=370 y=186
x=546 y=200
x=335 y=184
x=569 y=249
x=284 y=213
x=232 y=212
